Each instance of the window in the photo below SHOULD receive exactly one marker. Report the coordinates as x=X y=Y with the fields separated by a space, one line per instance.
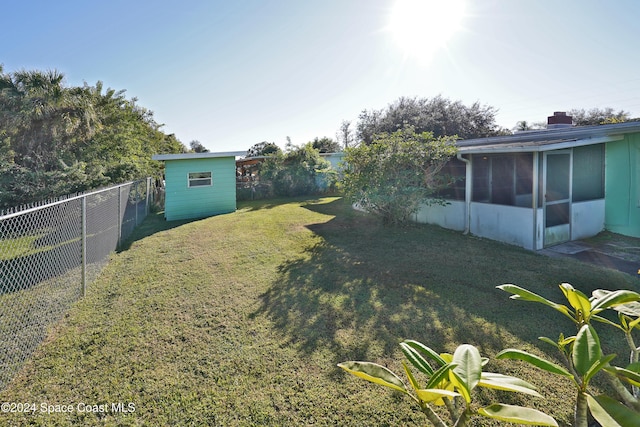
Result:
x=504 y=179
x=200 y=179
x=481 y=178
x=453 y=176
x=588 y=172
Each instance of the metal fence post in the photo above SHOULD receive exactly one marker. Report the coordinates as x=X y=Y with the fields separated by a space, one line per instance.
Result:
x=119 y=216
x=137 y=201
x=84 y=246
x=146 y=204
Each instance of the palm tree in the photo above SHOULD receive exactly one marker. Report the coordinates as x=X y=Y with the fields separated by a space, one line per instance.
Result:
x=46 y=118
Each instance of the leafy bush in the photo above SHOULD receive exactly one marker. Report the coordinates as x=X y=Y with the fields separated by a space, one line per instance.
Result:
x=299 y=172
x=451 y=382
x=583 y=354
x=397 y=173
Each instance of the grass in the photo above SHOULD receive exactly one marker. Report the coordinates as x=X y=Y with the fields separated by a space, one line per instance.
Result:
x=240 y=319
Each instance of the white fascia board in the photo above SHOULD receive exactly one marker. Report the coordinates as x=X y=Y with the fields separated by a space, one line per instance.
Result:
x=539 y=147
x=188 y=156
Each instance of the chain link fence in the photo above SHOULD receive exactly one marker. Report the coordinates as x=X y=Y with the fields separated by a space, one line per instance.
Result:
x=49 y=254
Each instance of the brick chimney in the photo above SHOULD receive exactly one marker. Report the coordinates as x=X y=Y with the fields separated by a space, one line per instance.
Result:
x=559 y=120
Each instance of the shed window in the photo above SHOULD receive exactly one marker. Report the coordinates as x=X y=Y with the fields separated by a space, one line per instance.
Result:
x=588 y=172
x=200 y=179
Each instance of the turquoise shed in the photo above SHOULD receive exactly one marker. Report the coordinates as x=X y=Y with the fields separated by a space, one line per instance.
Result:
x=198 y=185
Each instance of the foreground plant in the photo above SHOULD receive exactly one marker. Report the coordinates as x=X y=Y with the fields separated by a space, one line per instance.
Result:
x=583 y=354
x=450 y=383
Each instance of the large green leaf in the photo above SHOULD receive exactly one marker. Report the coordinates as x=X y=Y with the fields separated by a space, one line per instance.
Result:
x=375 y=373
x=634 y=323
x=596 y=367
x=426 y=351
x=517 y=414
x=507 y=383
x=416 y=359
x=586 y=349
x=611 y=413
x=605 y=321
x=634 y=367
x=440 y=375
x=550 y=341
x=624 y=301
x=628 y=375
x=430 y=395
x=579 y=301
x=525 y=295
x=469 y=362
x=539 y=362
x=412 y=379
x=460 y=385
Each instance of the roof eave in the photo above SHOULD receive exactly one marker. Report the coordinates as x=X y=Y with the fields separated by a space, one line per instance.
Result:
x=540 y=146
x=190 y=156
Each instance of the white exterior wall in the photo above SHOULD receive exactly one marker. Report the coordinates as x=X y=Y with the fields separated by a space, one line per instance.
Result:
x=539 y=229
x=587 y=219
x=509 y=224
x=334 y=158
x=512 y=224
x=450 y=216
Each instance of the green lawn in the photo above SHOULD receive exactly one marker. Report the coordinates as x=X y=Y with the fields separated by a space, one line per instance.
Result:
x=240 y=319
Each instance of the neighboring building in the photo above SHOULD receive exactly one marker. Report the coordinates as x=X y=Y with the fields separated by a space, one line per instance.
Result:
x=198 y=185
x=539 y=188
x=334 y=158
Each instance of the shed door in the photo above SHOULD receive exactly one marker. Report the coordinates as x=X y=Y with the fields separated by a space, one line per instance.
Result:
x=557 y=197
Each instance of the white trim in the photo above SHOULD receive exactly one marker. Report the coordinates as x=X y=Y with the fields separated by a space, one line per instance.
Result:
x=537 y=147
x=189 y=156
x=189 y=179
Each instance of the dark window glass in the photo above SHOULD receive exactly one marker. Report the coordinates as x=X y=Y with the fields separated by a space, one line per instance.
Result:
x=453 y=175
x=505 y=179
x=502 y=180
x=588 y=173
x=481 y=178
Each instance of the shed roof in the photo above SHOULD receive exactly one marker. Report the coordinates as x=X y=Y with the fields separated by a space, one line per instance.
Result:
x=187 y=156
x=551 y=139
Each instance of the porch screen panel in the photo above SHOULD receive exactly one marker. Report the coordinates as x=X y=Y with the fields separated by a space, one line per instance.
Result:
x=502 y=180
x=481 y=178
x=524 y=180
x=454 y=174
x=558 y=177
x=588 y=172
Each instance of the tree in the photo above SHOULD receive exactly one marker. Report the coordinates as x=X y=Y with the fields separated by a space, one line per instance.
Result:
x=298 y=172
x=56 y=140
x=263 y=148
x=197 y=147
x=597 y=116
x=524 y=125
x=438 y=115
x=325 y=145
x=345 y=134
x=43 y=118
x=397 y=172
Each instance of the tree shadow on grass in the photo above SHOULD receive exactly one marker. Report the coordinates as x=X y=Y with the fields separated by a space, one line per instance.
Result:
x=363 y=288
x=154 y=223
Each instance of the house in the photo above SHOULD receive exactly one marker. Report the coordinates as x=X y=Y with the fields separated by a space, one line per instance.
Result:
x=540 y=188
x=335 y=159
x=198 y=185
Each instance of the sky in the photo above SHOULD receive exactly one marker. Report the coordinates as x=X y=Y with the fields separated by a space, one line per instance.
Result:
x=231 y=74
